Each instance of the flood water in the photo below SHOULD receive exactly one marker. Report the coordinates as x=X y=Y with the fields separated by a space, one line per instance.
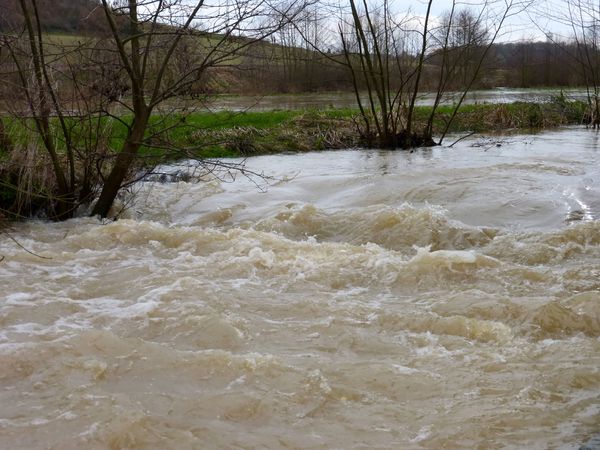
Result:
x=445 y=298
x=348 y=99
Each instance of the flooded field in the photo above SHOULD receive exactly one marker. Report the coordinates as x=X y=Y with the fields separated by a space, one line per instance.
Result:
x=444 y=298
x=348 y=99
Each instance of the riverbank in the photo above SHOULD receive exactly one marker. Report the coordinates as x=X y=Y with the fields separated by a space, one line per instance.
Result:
x=238 y=134
x=27 y=181
x=235 y=134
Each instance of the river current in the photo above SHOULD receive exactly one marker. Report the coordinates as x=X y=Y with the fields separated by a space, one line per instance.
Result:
x=444 y=298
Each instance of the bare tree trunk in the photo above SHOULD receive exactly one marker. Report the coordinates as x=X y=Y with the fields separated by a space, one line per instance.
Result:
x=411 y=107
x=149 y=64
x=121 y=168
x=41 y=110
x=134 y=139
x=6 y=143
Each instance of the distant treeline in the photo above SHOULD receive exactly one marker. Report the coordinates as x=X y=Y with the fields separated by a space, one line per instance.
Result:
x=516 y=64
x=533 y=64
x=276 y=68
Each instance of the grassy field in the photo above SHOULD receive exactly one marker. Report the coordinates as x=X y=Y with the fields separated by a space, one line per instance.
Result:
x=226 y=134
x=229 y=134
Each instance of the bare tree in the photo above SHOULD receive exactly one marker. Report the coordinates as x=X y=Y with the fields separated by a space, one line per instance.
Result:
x=461 y=44
x=156 y=32
x=382 y=52
x=386 y=53
x=582 y=17
x=47 y=75
x=461 y=38
x=134 y=74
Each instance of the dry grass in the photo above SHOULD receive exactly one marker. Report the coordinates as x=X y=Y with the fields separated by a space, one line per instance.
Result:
x=28 y=182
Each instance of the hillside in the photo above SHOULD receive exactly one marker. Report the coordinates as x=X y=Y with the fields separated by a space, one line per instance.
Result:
x=272 y=67
x=60 y=16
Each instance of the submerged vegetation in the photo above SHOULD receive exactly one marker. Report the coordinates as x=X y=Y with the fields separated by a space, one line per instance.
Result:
x=230 y=134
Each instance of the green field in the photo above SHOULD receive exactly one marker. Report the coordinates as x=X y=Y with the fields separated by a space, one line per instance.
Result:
x=229 y=134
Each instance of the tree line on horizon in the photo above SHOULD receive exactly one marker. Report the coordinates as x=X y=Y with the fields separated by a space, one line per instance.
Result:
x=296 y=67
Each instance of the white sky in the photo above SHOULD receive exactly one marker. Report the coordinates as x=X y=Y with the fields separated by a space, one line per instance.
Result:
x=528 y=25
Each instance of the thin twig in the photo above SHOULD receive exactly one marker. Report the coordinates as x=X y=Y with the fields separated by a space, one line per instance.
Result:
x=22 y=247
x=461 y=138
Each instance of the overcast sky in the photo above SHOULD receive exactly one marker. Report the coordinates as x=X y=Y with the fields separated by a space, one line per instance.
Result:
x=528 y=25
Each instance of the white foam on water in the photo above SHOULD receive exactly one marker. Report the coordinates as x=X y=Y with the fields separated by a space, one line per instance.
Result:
x=435 y=299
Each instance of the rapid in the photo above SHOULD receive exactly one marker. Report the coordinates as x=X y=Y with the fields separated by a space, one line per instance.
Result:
x=441 y=298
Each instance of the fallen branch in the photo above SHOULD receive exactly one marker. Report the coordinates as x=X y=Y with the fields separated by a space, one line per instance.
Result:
x=22 y=247
x=461 y=138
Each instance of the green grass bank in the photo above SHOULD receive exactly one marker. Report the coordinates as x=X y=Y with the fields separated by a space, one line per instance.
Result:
x=27 y=182
x=226 y=134
x=233 y=134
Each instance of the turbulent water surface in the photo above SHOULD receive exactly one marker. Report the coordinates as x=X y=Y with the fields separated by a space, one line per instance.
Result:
x=445 y=298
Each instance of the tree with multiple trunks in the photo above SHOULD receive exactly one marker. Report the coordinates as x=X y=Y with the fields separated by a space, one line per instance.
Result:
x=388 y=53
x=582 y=19
x=167 y=48
x=150 y=52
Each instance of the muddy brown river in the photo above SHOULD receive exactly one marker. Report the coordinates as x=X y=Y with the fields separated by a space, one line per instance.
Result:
x=444 y=298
